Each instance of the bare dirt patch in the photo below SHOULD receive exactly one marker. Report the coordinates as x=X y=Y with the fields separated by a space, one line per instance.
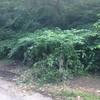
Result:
x=9 y=72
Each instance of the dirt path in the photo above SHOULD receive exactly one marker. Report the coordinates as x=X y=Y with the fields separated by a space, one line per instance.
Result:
x=8 y=89
x=10 y=70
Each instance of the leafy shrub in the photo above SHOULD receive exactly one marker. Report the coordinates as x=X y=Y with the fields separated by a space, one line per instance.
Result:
x=56 y=52
x=44 y=71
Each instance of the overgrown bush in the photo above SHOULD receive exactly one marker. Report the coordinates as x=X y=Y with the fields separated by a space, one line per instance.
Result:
x=53 y=54
x=56 y=52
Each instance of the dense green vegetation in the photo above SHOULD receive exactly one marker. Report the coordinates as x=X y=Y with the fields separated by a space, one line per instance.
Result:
x=24 y=15
x=55 y=52
x=56 y=38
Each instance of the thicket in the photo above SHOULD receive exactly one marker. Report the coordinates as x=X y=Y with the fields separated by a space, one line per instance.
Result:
x=52 y=54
